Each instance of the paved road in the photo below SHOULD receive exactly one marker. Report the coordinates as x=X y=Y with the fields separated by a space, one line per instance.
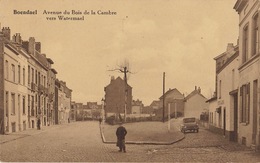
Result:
x=81 y=142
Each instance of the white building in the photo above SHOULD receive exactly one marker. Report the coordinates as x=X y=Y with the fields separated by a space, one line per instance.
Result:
x=195 y=104
x=15 y=83
x=223 y=118
x=249 y=73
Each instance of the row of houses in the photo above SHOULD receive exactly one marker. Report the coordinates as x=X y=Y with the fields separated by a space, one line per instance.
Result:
x=192 y=105
x=82 y=112
x=234 y=110
x=29 y=89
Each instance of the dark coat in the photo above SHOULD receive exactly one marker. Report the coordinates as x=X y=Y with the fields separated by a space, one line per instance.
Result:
x=121 y=133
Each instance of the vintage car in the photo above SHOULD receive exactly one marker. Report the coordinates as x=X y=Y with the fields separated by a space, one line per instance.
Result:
x=189 y=124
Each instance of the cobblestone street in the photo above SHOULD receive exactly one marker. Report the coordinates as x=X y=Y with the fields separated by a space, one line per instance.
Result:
x=81 y=142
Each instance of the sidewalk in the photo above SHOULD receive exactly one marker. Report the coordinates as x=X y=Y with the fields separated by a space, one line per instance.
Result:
x=28 y=132
x=155 y=133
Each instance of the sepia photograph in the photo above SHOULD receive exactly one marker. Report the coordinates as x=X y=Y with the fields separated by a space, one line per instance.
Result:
x=129 y=81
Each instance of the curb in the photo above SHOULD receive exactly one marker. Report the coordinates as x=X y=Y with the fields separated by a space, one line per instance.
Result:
x=14 y=139
x=139 y=142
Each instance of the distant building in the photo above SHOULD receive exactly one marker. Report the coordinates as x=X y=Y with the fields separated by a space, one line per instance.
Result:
x=63 y=102
x=195 y=104
x=174 y=100
x=73 y=111
x=137 y=107
x=78 y=107
x=148 y=110
x=94 y=110
x=155 y=105
x=115 y=94
x=51 y=77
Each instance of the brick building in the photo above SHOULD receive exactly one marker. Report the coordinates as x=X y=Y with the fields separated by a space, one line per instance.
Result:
x=115 y=97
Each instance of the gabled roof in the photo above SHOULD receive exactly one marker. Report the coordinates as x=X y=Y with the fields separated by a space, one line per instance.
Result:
x=170 y=91
x=233 y=57
x=118 y=79
x=193 y=93
x=155 y=102
x=212 y=99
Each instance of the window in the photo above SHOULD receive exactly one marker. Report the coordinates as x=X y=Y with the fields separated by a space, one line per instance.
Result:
x=36 y=77
x=13 y=73
x=19 y=104
x=245 y=45
x=6 y=70
x=255 y=37
x=32 y=109
x=244 y=103
x=6 y=103
x=12 y=103
x=36 y=102
x=23 y=104
x=19 y=74
x=44 y=81
x=23 y=76
x=29 y=103
x=219 y=96
x=233 y=79
x=32 y=75
x=29 y=73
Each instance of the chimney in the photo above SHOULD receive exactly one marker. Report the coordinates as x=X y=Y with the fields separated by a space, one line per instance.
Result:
x=38 y=46
x=7 y=32
x=17 y=38
x=112 y=78
x=31 y=48
x=230 y=46
x=199 y=90
x=25 y=45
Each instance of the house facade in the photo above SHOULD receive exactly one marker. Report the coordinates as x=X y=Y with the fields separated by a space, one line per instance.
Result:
x=137 y=107
x=223 y=113
x=15 y=90
x=24 y=83
x=27 y=84
x=73 y=111
x=51 y=77
x=117 y=93
x=37 y=81
x=195 y=104
x=63 y=102
x=173 y=102
x=249 y=73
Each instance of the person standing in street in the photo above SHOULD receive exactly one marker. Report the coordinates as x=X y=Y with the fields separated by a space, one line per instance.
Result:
x=121 y=133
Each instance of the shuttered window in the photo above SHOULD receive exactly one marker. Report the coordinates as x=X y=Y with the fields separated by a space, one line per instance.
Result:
x=245 y=103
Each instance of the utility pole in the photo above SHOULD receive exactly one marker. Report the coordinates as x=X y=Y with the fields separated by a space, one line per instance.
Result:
x=125 y=79
x=163 y=95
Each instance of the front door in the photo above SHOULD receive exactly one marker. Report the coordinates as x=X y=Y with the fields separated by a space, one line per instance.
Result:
x=234 y=137
x=224 y=123
x=254 y=112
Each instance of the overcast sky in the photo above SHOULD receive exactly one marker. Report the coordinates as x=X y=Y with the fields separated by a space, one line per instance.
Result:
x=178 y=37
